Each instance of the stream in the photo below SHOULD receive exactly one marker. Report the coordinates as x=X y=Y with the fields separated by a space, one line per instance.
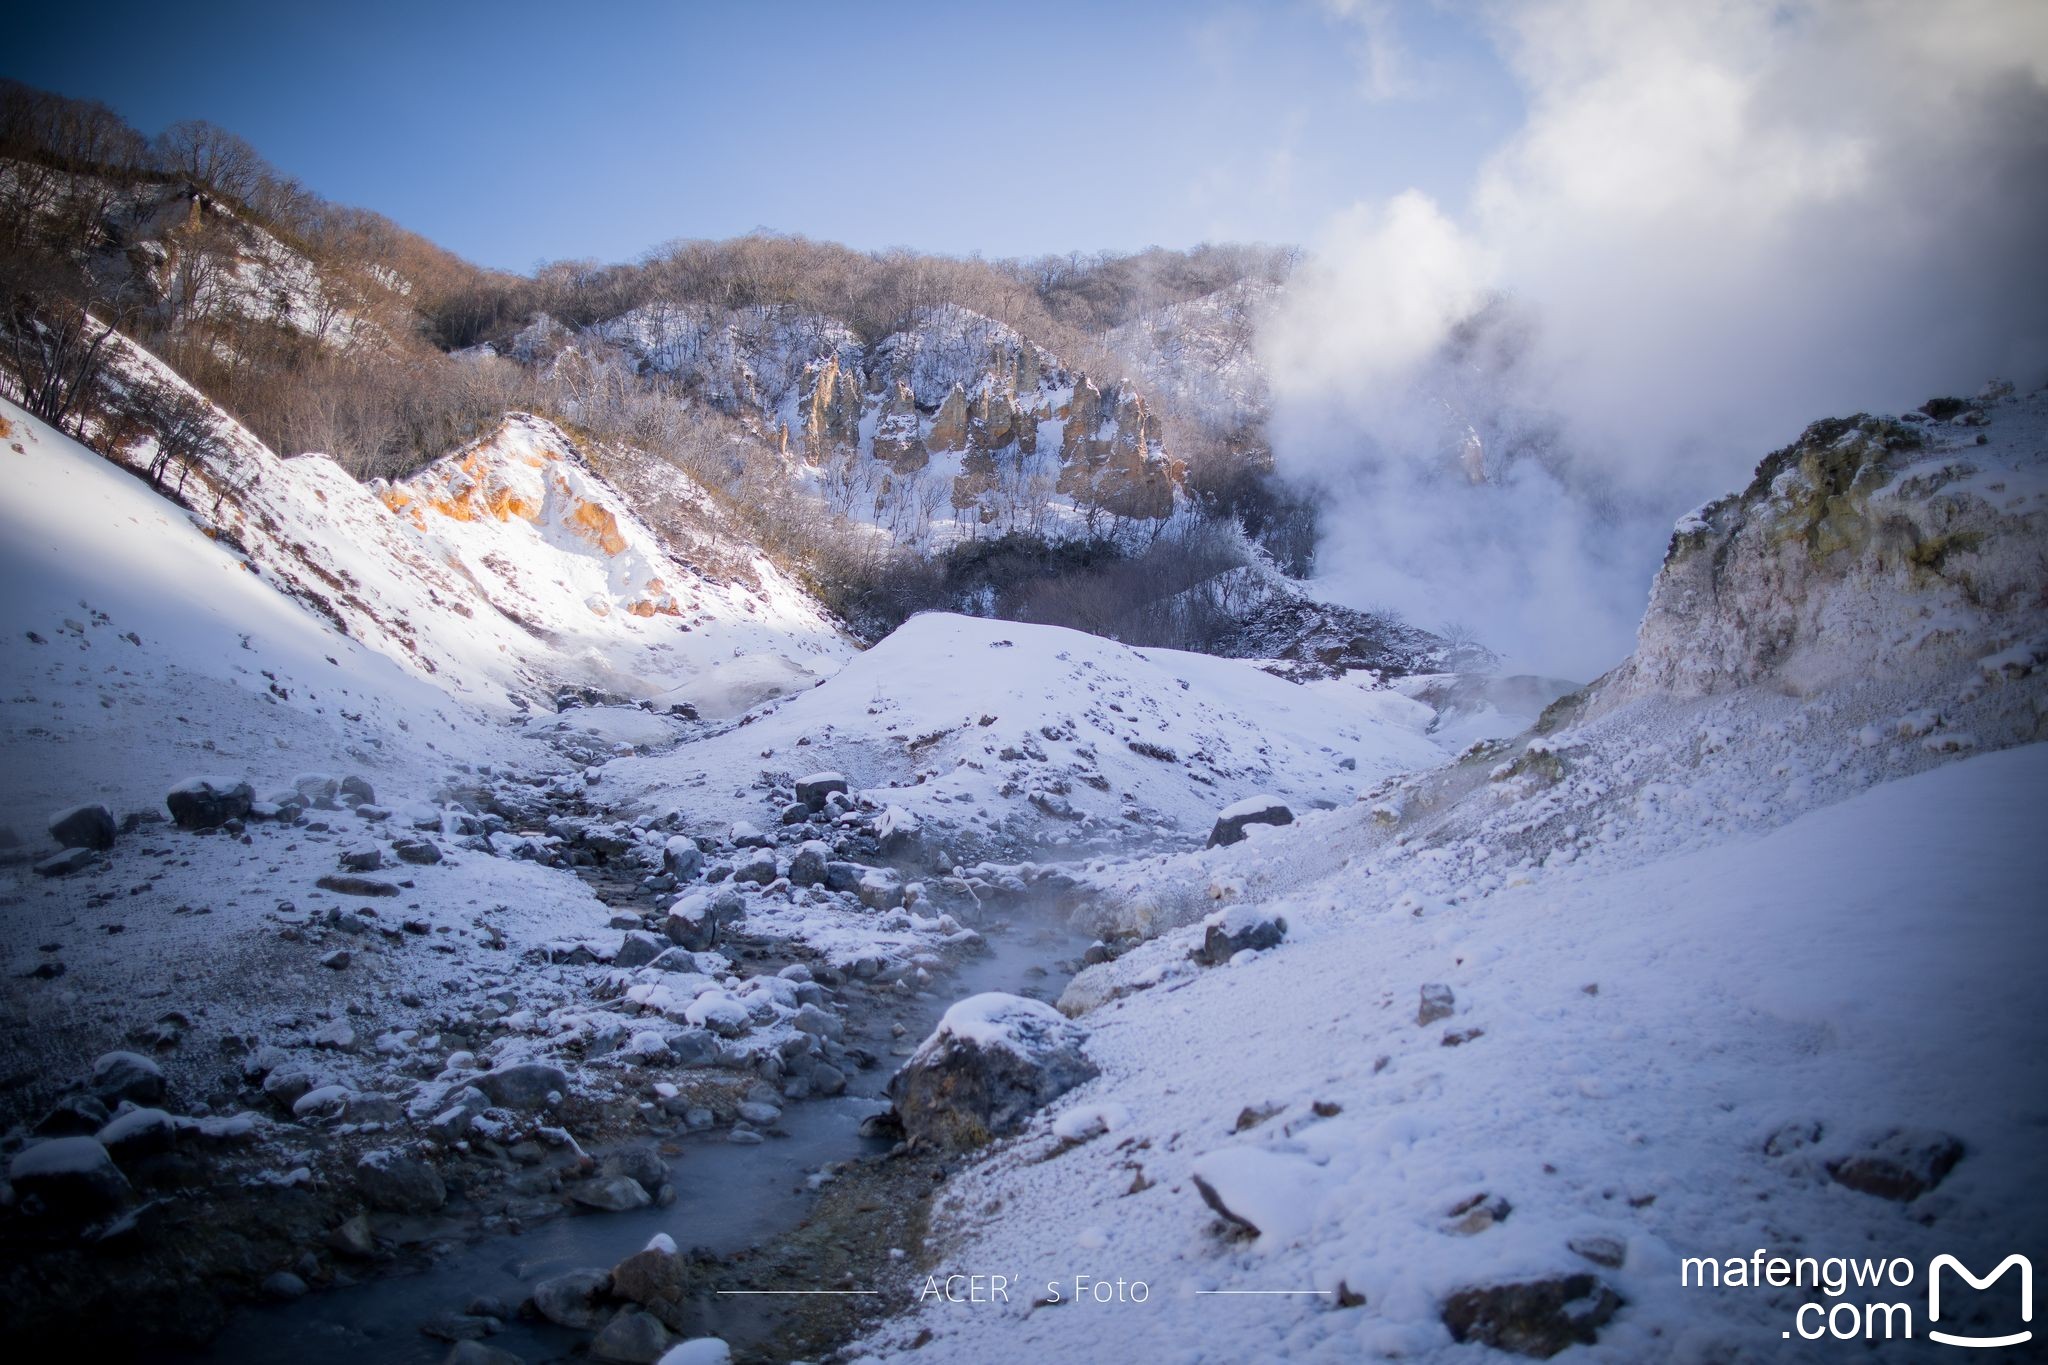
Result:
x=730 y=1198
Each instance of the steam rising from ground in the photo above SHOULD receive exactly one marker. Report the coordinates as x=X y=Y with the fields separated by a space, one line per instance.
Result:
x=1717 y=223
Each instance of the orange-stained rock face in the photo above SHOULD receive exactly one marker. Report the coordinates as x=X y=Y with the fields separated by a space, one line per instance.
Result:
x=598 y=526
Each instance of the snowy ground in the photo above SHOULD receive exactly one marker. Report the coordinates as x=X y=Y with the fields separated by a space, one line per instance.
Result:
x=1644 y=1030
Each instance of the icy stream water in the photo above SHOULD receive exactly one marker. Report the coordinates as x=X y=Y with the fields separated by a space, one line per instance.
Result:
x=729 y=1197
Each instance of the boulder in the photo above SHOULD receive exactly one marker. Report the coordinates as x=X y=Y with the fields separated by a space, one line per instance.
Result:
x=992 y=1060
x=638 y=948
x=139 y=1133
x=571 y=1298
x=745 y=834
x=1253 y=810
x=397 y=1182
x=318 y=789
x=83 y=827
x=611 y=1194
x=357 y=791
x=420 y=852
x=524 y=1085
x=681 y=858
x=1230 y=932
x=69 y=1175
x=208 y=802
x=653 y=1278
x=1534 y=1317
x=757 y=867
x=1437 y=1003
x=120 y=1076
x=692 y=924
x=631 y=1336
x=813 y=790
x=807 y=865
x=363 y=858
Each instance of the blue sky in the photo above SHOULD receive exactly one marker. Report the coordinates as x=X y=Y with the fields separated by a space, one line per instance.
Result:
x=520 y=132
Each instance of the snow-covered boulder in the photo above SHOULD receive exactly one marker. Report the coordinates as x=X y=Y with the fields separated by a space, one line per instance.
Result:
x=397 y=1182
x=70 y=1175
x=813 y=790
x=83 y=827
x=127 y=1076
x=208 y=802
x=1253 y=810
x=1241 y=928
x=993 y=1059
x=524 y=1085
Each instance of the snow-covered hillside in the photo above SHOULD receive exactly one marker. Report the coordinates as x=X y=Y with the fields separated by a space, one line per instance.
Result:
x=509 y=569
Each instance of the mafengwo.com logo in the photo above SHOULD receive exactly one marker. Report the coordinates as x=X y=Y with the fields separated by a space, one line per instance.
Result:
x=1846 y=1279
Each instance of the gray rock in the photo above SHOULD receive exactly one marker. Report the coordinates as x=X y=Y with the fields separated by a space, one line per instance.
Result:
x=818 y=1023
x=571 y=1298
x=337 y=960
x=612 y=1194
x=83 y=827
x=757 y=867
x=525 y=1085
x=127 y=1076
x=1535 y=1317
x=641 y=1163
x=814 y=790
x=637 y=949
x=827 y=1080
x=1437 y=1003
x=364 y=858
x=1231 y=824
x=68 y=1177
x=1230 y=932
x=681 y=858
x=807 y=865
x=993 y=1059
x=795 y=813
x=396 y=1182
x=759 y=1114
x=283 y=1286
x=69 y=861
x=843 y=876
x=357 y=791
x=354 y=1239
x=420 y=852
x=693 y=929
x=208 y=802
x=631 y=1336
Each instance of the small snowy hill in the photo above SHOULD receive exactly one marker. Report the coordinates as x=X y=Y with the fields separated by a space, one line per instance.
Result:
x=1734 y=950
x=1038 y=731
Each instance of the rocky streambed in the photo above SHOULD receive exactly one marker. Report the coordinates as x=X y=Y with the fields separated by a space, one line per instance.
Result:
x=441 y=1141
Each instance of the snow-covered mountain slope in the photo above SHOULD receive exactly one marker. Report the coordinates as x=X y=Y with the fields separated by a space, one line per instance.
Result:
x=995 y=727
x=511 y=568
x=141 y=650
x=1729 y=940
x=563 y=564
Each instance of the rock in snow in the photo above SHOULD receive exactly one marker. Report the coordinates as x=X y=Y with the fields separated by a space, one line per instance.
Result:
x=208 y=802
x=1238 y=929
x=1253 y=810
x=993 y=1059
x=83 y=827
